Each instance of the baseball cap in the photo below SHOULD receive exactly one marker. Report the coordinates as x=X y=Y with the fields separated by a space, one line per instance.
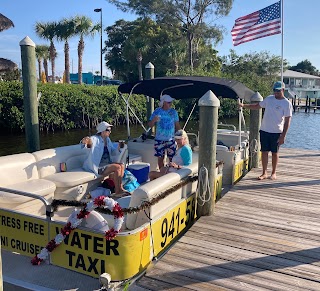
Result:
x=166 y=98
x=102 y=126
x=278 y=85
x=180 y=134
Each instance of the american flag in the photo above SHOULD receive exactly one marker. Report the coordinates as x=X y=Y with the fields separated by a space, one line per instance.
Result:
x=258 y=24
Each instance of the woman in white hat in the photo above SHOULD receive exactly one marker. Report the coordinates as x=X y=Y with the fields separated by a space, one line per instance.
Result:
x=166 y=120
x=102 y=154
x=183 y=156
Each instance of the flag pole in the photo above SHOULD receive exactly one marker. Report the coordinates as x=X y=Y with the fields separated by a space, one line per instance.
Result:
x=281 y=40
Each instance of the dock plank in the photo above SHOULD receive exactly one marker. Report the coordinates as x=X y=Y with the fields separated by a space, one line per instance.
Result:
x=264 y=235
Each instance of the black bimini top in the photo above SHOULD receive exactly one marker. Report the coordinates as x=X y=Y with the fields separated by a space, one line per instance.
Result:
x=188 y=87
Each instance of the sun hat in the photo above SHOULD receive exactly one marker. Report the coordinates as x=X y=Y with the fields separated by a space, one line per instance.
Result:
x=165 y=98
x=102 y=126
x=180 y=134
x=278 y=85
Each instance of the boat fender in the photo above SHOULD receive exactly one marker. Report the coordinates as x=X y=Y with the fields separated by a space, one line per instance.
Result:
x=105 y=279
x=95 y=221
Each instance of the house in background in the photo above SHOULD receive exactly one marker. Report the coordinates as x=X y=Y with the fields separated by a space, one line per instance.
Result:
x=301 y=85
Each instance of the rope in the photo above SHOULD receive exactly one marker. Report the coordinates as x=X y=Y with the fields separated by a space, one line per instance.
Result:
x=56 y=203
x=203 y=183
x=151 y=234
x=253 y=149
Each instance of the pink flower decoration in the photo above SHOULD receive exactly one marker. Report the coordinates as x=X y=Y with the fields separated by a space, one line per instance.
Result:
x=99 y=201
x=111 y=234
x=36 y=261
x=83 y=214
x=51 y=245
x=117 y=211
x=67 y=229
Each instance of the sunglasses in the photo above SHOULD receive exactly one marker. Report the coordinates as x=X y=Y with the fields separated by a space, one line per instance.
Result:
x=276 y=90
x=108 y=130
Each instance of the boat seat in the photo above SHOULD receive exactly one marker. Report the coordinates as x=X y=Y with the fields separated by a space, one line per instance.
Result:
x=19 y=172
x=151 y=189
x=73 y=183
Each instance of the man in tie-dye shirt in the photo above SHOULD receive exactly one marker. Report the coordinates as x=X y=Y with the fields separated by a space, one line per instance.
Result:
x=166 y=120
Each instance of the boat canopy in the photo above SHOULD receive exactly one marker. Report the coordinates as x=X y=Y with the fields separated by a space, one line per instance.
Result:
x=184 y=87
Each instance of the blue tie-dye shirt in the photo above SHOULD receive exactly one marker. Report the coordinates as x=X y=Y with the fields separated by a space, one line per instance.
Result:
x=165 y=127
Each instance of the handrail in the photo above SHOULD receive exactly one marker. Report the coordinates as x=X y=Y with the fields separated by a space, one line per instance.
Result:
x=43 y=200
x=49 y=210
x=227 y=125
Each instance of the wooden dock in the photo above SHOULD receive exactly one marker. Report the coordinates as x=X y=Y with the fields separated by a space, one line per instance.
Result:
x=264 y=235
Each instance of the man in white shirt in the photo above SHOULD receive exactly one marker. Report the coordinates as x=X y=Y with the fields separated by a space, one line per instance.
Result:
x=274 y=126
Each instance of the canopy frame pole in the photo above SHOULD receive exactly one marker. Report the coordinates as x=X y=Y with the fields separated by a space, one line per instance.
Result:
x=176 y=86
x=127 y=109
x=189 y=115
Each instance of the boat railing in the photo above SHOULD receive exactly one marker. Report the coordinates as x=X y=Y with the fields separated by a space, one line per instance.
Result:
x=227 y=126
x=49 y=211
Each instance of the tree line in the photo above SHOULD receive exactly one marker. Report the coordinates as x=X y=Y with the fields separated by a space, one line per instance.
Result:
x=63 y=30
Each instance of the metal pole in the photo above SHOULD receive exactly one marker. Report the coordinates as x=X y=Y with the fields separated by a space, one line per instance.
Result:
x=29 y=75
x=101 y=73
x=149 y=73
x=101 y=49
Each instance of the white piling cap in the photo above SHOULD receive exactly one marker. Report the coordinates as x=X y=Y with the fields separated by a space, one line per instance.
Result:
x=27 y=41
x=209 y=99
x=256 y=97
x=149 y=66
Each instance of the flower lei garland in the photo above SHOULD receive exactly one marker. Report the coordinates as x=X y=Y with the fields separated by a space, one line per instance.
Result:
x=75 y=220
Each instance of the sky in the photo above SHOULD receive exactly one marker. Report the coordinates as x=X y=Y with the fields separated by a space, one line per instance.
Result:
x=301 y=30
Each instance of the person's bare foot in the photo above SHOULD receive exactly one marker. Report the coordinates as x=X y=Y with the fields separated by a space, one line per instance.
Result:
x=263 y=176
x=273 y=177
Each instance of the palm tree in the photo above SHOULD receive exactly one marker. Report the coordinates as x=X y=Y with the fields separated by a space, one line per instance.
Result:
x=48 y=31
x=66 y=29
x=5 y=22
x=42 y=52
x=46 y=57
x=83 y=27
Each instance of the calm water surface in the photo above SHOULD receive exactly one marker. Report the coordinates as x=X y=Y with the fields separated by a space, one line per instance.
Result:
x=303 y=133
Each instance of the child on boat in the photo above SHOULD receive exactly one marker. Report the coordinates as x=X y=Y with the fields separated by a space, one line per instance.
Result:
x=183 y=156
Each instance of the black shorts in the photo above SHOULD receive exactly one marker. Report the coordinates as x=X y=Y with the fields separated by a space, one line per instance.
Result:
x=269 y=141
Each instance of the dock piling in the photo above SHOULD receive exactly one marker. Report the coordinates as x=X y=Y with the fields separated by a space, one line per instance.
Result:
x=208 y=124
x=29 y=75
x=254 y=138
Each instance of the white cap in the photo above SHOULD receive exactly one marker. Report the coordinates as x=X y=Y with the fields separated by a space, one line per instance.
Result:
x=102 y=126
x=166 y=98
x=179 y=134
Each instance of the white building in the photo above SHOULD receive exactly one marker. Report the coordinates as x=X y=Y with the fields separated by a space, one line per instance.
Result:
x=301 y=85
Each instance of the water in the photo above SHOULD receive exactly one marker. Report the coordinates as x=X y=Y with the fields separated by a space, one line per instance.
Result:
x=303 y=133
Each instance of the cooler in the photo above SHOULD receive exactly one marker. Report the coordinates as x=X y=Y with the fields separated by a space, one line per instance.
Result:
x=140 y=171
x=134 y=158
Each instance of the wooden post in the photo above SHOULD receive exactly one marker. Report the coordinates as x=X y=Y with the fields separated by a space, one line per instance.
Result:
x=29 y=75
x=255 y=123
x=208 y=124
x=294 y=103
x=309 y=105
x=149 y=73
x=307 y=101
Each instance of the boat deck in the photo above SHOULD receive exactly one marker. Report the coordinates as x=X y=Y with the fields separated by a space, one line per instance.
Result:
x=264 y=235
